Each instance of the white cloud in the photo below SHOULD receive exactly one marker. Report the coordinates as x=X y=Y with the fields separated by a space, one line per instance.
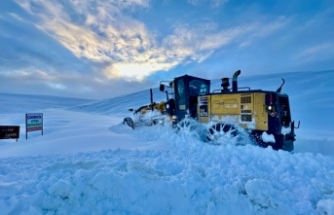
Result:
x=217 y=3
x=135 y=71
x=57 y=86
x=315 y=51
x=30 y=73
x=196 y=2
x=261 y=30
x=212 y=3
x=122 y=47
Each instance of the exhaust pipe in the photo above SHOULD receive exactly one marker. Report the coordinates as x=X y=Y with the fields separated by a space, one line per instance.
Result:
x=235 y=81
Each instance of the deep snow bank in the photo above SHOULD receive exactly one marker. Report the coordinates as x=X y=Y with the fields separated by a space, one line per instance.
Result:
x=188 y=177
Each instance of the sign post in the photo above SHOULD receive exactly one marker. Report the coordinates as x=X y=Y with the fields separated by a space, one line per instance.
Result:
x=10 y=132
x=34 y=122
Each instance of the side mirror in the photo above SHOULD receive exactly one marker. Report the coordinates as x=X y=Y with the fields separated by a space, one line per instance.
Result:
x=162 y=87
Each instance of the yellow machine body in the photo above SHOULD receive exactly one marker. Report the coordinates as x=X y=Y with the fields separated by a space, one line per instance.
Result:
x=246 y=109
x=259 y=112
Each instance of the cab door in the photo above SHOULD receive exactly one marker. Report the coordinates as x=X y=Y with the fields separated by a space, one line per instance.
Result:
x=181 y=101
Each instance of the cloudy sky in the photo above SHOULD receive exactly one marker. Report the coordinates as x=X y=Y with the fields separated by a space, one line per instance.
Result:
x=102 y=49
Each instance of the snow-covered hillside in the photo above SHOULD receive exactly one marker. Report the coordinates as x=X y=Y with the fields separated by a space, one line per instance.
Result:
x=88 y=162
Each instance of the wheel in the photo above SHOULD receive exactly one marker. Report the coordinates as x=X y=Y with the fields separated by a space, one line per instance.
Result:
x=279 y=141
x=222 y=133
x=256 y=138
x=264 y=140
x=186 y=125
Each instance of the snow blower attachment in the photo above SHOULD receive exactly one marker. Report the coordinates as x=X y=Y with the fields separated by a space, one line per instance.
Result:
x=263 y=115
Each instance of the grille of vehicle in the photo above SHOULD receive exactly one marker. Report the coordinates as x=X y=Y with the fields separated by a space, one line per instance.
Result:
x=246 y=111
x=246 y=118
x=246 y=99
x=285 y=110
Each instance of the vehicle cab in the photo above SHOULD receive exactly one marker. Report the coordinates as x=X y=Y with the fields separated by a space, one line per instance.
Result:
x=186 y=90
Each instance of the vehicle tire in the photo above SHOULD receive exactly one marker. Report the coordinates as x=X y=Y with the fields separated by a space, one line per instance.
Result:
x=221 y=133
x=256 y=137
x=187 y=124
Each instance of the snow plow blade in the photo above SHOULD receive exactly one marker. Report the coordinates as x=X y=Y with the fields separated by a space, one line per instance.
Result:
x=129 y=122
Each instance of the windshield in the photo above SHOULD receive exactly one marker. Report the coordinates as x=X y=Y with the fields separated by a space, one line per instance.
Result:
x=198 y=87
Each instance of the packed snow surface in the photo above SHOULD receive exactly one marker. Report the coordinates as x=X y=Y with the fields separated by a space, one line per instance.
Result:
x=88 y=162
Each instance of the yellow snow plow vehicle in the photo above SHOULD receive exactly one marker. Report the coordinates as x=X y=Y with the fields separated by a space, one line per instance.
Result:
x=226 y=112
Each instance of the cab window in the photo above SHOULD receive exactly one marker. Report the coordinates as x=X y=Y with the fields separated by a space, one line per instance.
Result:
x=198 y=87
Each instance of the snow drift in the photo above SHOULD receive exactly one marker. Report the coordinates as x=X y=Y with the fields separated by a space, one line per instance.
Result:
x=88 y=162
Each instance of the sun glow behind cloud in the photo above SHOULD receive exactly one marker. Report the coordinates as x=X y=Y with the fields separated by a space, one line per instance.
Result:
x=101 y=32
x=99 y=46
